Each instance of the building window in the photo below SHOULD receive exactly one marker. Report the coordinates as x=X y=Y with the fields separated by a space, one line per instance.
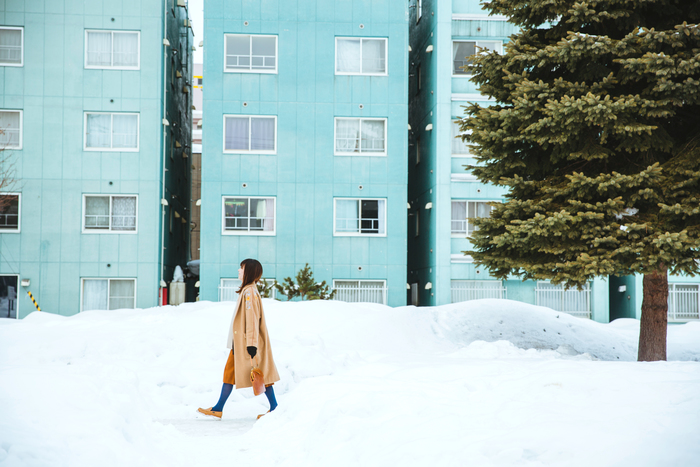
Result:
x=228 y=289
x=244 y=53
x=359 y=217
x=463 y=291
x=11 y=129
x=359 y=56
x=250 y=134
x=360 y=291
x=11 y=46
x=572 y=301
x=111 y=213
x=249 y=216
x=462 y=211
x=111 y=131
x=112 y=49
x=459 y=147
x=108 y=294
x=462 y=50
x=683 y=302
x=9 y=212
x=360 y=136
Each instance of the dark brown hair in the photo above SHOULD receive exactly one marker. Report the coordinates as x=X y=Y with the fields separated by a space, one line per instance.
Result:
x=252 y=272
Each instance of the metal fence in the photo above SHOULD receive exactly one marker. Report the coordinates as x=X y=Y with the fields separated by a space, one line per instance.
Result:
x=463 y=291
x=369 y=292
x=683 y=302
x=572 y=301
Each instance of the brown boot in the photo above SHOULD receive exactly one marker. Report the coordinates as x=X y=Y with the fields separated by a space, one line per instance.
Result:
x=209 y=411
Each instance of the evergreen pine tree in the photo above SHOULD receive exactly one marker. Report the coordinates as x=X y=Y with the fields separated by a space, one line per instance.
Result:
x=596 y=137
x=305 y=286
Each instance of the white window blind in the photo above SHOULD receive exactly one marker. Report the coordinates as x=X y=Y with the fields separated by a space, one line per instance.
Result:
x=110 y=213
x=9 y=212
x=360 y=136
x=11 y=46
x=109 y=294
x=112 y=49
x=462 y=50
x=250 y=53
x=360 y=56
x=462 y=211
x=111 y=131
x=253 y=134
x=11 y=129
x=360 y=216
x=249 y=215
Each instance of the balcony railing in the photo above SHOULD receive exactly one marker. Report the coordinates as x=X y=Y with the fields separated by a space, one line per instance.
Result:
x=365 y=293
x=572 y=301
x=683 y=302
x=466 y=291
x=251 y=62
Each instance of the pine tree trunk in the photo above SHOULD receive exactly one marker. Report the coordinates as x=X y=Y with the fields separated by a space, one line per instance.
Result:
x=652 y=335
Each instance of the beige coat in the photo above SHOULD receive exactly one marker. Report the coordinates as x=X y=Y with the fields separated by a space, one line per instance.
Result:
x=247 y=329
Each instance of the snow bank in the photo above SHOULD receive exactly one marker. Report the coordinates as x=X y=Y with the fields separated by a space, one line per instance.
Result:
x=492 y=382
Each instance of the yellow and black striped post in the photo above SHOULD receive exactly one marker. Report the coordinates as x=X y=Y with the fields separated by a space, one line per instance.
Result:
x=34 y=301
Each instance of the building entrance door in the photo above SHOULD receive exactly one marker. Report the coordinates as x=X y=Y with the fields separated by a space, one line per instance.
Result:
x=8 y=296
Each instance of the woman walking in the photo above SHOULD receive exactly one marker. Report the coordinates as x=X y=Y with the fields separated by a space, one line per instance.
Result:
x=248 y=341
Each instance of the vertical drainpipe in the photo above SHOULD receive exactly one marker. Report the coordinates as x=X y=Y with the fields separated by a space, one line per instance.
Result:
x=165 y=129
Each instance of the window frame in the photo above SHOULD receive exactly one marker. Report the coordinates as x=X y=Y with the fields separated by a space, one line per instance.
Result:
x=360 y=234
x=476 y=44
x=112 y=67
x=267 y=72
x=250 y=130
x=254 y=233
x=21 y=129
x=109 y=287
x=466 y=234
x=21 y=42
x=111 y=132
x=419 y=10
x=362 y=38
x=361 y=154
x=85 y=230
x=19 y=213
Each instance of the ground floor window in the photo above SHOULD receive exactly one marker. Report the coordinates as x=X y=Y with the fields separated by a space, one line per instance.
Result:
x=572 y=301
x=463 y=291
x=683 y=302
x=372 y=291
x=229 y=287
x=8 y=296
x=109 y=294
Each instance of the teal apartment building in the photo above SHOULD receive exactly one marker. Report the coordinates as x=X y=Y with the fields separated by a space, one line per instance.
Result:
x=305 y=144
x=94 y=119
x=443 y=195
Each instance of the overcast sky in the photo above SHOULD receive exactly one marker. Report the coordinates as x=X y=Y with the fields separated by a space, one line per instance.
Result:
x=195 y=9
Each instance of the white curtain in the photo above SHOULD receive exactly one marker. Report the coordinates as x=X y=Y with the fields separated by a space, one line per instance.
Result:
x=372 y=136
x=95 y=294
x=126 y=49
x=99 y=48
x=373 y=56
x=347 y=135
x=121 y=294
x=125 y=131
x=124 y=213
x=458 y=146
x=262 y=134
x=459 y=216
x=98 y=130
x=382 y=217
x=10 y=46
x=347 y=56
x=265 y=209
x=237 y=133
x=347 y=215
x=460 y=52
x=263 y=52
x=477 y=209
x=97 y=212
x=9 y=125
x=238 y=51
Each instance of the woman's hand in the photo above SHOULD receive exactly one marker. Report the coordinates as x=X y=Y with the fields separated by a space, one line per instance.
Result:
x=252 y=351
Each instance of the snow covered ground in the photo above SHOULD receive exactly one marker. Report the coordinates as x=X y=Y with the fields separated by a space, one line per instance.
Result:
x=491 y=382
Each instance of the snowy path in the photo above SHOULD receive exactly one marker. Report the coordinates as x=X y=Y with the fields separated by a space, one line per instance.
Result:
x=362 y=385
